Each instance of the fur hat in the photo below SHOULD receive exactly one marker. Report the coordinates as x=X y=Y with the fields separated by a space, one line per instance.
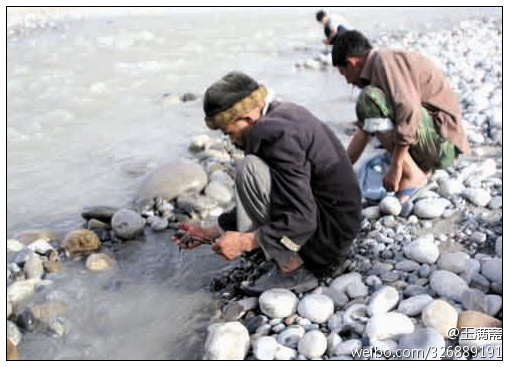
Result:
x=231 y=97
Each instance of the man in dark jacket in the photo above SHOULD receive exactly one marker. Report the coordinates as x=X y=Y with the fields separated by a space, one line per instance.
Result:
x=296 y=185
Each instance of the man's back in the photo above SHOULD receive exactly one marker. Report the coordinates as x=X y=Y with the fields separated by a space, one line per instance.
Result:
x=315 y=196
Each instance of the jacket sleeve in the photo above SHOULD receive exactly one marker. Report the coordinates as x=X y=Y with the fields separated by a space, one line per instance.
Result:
x=293 y=211
x=395 y=79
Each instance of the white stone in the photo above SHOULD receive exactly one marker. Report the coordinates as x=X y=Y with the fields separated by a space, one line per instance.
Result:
x=447 y=284
x=384 y=300
x=278 y=303
x=313 y=344
x=357 y=289
x=450 y=187
x=21 y=290
x=423 y=250
x=171 y=180
x=371 y=212
x=316 y=307
x=285 y=354
x=265 y=348
x=127 y=224
x=479 y=197
x=388 y=325
x=33 y=266
x=347 y=347
x=333 y=340
x=413 y=306
x=13 y=333
x=492 y=269
x=340 y=283
x=440 y=315
x=390 y=205
x=290 y=336
x=498 y=246
x=493 y=304
x=14 y=245
x=227 y=341
x=430 y=208
x=426 y=343
x=40 y=246
x=455 y=262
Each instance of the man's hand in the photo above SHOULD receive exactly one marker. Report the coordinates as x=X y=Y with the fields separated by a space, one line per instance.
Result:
x=393 y=177
x=233 y=244
x=193 y=236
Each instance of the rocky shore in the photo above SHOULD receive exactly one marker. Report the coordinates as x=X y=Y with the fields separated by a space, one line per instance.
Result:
x=412 y=279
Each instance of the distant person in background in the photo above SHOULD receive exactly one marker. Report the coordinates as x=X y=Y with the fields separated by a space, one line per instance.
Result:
x=408 y=104
x=333 y=25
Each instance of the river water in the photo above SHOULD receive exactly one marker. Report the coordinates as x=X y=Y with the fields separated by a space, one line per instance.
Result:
x=86 y=121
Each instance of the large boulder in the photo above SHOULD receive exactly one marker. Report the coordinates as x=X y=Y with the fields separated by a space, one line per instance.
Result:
x=171 y=180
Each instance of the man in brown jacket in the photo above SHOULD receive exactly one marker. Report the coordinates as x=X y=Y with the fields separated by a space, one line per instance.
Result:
x=408 y=104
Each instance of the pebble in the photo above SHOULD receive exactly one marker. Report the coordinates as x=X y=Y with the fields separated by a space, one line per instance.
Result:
x=493 y=304
x=21 y=290
x=447 y=284
x=347 y=347
x=440 y=315
x=426 y=343
x=13 y=333
x=430 y=208
x=383 y=300
x=40 y=246
x=278 y=303
x=227 y=341
x=14 y=245
x=479 y=197
x=127 y=224
x=265 y=348
x=384 y=326
x=371 y=212
x=290 y=336
x=285 y=354
x=455 y=262
x=99 y=262
x=423 y=250
x=390 y=205
x=81 y=241
x=316 y=307
x=33 y=267
x=492 y=269
x=413 y=306
x=313 y=344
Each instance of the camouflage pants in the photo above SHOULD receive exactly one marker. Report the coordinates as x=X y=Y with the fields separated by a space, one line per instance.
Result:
x=430 y=152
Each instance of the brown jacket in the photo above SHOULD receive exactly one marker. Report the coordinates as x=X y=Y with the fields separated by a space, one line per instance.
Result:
x=410 y=81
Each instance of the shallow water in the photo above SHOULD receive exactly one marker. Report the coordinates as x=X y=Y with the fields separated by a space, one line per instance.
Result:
x=86 y=121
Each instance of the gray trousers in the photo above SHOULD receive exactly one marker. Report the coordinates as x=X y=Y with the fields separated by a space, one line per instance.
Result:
x=253 y=185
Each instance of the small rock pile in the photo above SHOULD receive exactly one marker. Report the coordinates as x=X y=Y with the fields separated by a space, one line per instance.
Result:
x=181 y=191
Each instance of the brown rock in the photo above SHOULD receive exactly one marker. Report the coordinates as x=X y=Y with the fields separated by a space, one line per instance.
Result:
x=51 y=266
x=27 y=237
x=99 y=262
x=44 y=312
x=477 y=319
x=12 y=351
x=81 y=241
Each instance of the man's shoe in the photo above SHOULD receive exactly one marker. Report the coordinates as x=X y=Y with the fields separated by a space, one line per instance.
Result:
x=299 y=281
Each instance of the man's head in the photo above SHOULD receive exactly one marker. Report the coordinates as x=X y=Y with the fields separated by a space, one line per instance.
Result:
x=321 y=16
x=233 y=104
x=349 y=53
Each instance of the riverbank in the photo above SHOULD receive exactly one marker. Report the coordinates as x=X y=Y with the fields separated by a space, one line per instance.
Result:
x=395 y=261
